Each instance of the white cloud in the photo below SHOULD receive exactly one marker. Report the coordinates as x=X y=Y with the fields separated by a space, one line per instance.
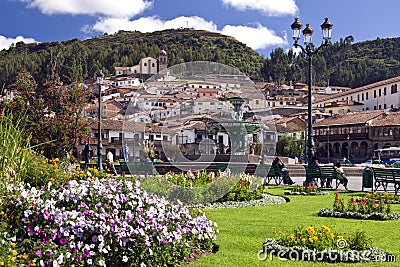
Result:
x=267 y=7
x=110 y=8
x=151 y=24
x=5 y=42
x=258 y=37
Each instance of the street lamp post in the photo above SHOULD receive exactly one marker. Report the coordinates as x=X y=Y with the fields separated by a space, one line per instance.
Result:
x=327 y=129
x=99 y=141
x=310 y=50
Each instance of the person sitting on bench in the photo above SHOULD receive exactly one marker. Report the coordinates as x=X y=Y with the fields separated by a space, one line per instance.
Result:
x=340 y=174
x=285 y=172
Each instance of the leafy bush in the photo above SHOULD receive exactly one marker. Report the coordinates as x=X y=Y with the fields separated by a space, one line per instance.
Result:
x=99 y=222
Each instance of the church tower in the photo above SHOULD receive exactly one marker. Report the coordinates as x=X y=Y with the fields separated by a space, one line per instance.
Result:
x=162 y=60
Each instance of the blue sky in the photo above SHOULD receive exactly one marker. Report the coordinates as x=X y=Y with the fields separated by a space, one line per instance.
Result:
x=263 y=25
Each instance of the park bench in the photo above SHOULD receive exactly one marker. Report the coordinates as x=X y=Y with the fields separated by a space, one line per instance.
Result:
x=137 y=168
x=269 y=173
x=385 y=176
x=322 y=174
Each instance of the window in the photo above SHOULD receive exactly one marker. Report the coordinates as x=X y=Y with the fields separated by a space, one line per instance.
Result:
x=145 y=64
x=374 y=93
x=374 y=107
x=380 y=106
x=384 y=91
x=153 y=65
x=362 y=96
x=380 y=92
x=366 y=95
x=384 y=106
x=358 y=98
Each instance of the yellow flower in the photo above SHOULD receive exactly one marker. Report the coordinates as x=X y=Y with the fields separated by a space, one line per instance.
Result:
x=326 y=229
x=279 y=232
x=303 y=240
x=311 y=239
x=291 y=236
x=14 y=252
x=1 y=263
x=13 y=244
x=315 y=238
x=331 y=236
x=310 y=230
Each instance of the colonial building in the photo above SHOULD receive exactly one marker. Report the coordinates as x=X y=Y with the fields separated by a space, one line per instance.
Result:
x=380 y=95
x=356 y=135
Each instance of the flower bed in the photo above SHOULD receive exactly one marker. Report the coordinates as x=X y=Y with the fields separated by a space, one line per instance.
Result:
x=99 y=222
x=200 y=187
x=264 y=201
x=366 y=209
x=390 y=198
x=320 y=244
x=310 y=190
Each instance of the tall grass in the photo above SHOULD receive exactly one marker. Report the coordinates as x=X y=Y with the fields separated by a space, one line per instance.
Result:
x=14 y=150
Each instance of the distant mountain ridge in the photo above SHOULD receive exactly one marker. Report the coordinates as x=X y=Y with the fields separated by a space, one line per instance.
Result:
x=342 y=64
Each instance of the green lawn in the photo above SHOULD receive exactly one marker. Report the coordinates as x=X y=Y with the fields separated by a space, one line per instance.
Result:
x=242 y=231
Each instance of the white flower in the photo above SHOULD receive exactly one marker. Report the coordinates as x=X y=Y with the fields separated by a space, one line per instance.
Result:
x=125 y=259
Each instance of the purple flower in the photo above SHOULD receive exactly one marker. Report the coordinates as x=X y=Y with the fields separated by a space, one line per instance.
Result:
x=46 y=215
x=63 y=241
x=39 y=253
x=86 y=253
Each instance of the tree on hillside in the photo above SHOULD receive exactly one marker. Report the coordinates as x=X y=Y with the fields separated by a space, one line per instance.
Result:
x=51 y=114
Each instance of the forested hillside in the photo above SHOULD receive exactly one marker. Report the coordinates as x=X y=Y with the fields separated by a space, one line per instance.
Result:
x=342 y=64
x=56 y=59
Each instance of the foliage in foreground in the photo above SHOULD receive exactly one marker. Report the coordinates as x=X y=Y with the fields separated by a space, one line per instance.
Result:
x=14 y=150
x=51 y=114
x=98 y=222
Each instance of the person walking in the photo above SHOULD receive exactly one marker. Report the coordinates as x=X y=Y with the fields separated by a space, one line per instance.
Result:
x=125 y=152
x=86 y=152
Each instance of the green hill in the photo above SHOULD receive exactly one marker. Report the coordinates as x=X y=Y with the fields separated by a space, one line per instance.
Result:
x=56 y=59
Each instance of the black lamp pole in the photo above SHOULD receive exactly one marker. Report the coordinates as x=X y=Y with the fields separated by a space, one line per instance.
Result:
x=99 y=141
x=310 y=50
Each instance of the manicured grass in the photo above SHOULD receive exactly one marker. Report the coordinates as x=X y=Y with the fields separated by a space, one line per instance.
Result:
x=242 y=231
